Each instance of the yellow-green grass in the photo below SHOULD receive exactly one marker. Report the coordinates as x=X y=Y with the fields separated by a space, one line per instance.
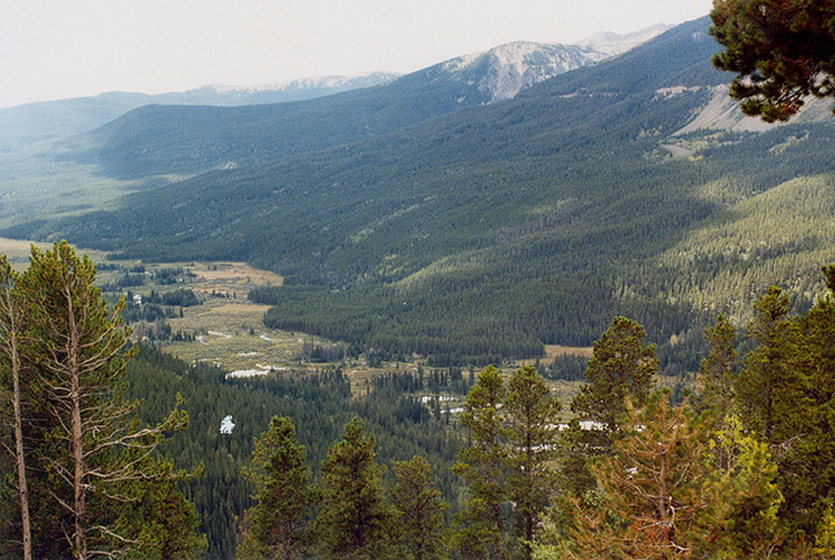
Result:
x=229 y=331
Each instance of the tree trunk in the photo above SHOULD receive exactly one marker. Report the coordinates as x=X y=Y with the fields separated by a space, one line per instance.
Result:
x=77 y=433
x=11 y=343
x=79 y=502
x=20 y=456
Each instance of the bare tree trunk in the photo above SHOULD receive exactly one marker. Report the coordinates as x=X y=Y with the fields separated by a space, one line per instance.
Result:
x=20 y=456
x=11 y=346
x=77 y=433
x=79 y=494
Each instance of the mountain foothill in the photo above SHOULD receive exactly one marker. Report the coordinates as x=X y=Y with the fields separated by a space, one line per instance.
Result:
x=480 y=208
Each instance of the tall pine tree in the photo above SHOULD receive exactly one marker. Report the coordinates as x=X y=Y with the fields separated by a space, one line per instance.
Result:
x=621 y=366
x=96 y=467
x=533 y=425
x=279 y=525
x=482 y=531
x=419 y=511
x=12 y=344
x=355 y=521
x=716 y=374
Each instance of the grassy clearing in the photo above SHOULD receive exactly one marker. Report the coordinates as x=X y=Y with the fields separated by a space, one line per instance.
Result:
x=229 y=278
x=228 y=330
x=18 y=251
x=555 y=350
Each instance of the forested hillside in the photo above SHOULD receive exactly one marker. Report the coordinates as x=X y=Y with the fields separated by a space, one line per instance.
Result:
x=175 y=139
x=319 y=405
x=737 y=467
x=488 y=232
x=581 y=322
x=23 y=125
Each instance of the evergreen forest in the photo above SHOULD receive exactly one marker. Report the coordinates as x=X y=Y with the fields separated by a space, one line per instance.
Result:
x=595 y=321
x=485 y=233
x=115 y=449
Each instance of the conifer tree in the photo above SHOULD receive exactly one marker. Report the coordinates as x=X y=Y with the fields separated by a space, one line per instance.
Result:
x=164 y=523
x=12 y=343
x=620 y=366
x=278 y=526
x=782 y=50
x=650 y=485
x=770 y=385
x=716 y=374
x=533 y=426
x=647 y=497
x=419 y=511
x=97 y=462
x=355 y=520
x=675 y=489
x=786 y=396
x=741 y=499
x=482 y=525
x=805 y=408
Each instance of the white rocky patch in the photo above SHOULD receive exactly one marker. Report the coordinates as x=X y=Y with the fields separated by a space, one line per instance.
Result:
x=226 y=425
x=259 y=370
x=670 y=92
x=216 y=333
x=441 y=398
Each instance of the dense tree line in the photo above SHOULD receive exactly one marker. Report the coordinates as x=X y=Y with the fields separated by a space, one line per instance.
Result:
x=319 y=404
x=146 y=511
x=740 y=468
x=540 y=281
x=522 y=224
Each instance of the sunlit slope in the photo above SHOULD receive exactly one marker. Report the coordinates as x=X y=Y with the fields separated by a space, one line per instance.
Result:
x=780 y=236
x=493 y=230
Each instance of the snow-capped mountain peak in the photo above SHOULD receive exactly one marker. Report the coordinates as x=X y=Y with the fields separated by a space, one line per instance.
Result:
x=614 y=44
x=327 y=82
x=502 y=72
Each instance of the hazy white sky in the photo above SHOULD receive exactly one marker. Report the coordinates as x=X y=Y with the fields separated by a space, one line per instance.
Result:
x=52 y=49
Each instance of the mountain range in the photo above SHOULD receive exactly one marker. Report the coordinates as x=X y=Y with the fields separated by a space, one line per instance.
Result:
x=437 y=216
x=507 y=69
x=23 y=125
x=88 y=169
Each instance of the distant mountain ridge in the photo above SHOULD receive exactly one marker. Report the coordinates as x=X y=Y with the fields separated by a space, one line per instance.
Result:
x=26 y=124
x=293 y=90
x=157 y=144
x=500 y=73
x=613 y=44
x=165 y=139
x=486 y=232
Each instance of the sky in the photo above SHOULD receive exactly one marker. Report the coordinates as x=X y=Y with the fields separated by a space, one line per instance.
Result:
x=54 y=49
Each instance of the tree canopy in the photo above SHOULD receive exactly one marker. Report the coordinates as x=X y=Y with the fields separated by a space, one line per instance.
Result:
x=89 y=481
x=783 y=51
